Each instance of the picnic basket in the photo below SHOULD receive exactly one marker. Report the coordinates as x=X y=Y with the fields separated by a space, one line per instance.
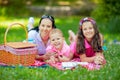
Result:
x=17 y=53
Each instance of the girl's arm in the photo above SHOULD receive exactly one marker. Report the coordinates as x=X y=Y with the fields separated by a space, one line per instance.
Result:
x=84 y=58
x=99 y=54
x=98 y=59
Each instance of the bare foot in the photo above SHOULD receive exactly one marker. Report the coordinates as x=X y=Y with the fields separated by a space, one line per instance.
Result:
x=72 y=36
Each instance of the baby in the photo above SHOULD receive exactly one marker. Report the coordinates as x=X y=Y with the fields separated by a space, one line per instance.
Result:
x=58 y=50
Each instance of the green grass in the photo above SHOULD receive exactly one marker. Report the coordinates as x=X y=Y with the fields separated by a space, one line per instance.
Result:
x=111 y=71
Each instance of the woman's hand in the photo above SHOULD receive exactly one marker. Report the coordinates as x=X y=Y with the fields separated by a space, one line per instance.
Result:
x=37 y=57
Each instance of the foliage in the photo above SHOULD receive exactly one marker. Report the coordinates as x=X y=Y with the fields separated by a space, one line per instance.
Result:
x=13 y=8
x=107 y=14
x=110 y=26
x=107 y=9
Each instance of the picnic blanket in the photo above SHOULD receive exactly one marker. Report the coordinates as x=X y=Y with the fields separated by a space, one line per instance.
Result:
x=64 y=65
x=69 y=65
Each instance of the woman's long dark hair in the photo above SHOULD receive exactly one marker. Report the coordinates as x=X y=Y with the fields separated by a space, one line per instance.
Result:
x=95 y=43
x=51 y=18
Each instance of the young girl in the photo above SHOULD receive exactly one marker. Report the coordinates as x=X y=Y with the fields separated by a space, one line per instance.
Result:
x=88 y=44
x=58 y=50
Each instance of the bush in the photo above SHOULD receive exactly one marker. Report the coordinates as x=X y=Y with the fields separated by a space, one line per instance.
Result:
x=110 y=26
x=107 y=9
x=13 y=8
x=107 y=13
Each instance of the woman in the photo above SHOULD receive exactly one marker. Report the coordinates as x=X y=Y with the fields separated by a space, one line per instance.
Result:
x=40 y=34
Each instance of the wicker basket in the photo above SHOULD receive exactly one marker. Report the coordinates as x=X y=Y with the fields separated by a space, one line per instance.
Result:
x=17 y=53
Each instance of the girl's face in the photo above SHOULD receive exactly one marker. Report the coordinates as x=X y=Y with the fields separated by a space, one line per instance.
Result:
x=45 y=27
x=57 y=40
x=88 y=30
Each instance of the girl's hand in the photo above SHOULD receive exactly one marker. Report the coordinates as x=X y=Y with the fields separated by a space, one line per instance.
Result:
x=99 y=60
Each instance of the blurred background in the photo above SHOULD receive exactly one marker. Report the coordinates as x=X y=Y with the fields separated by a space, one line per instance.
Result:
x=98 y=8
x=52 y=7
x=105 y=12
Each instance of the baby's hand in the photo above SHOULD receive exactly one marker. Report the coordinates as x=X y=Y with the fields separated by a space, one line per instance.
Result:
x=62 y=58
x=52 y=59
x=55 y=55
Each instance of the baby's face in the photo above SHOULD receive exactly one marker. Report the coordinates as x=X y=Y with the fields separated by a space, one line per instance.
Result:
x=57 y=40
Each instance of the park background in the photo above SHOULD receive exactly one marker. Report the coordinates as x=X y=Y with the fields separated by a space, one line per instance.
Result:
x=67 y=15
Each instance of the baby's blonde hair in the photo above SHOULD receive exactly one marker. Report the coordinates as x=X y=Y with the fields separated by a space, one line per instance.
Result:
x=56 y=31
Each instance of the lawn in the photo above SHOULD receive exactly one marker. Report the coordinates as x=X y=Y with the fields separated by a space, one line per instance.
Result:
x=111 y=71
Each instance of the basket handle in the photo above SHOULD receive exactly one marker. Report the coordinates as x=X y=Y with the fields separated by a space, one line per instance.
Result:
x=5 y=41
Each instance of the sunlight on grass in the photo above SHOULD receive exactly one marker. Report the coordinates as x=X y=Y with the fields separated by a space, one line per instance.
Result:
x=5 y=22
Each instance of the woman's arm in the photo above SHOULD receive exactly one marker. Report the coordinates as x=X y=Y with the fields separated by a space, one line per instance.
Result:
x=43 y=57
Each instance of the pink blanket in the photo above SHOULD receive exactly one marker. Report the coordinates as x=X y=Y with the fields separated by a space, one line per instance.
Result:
x=69 y=65
x=66 y=65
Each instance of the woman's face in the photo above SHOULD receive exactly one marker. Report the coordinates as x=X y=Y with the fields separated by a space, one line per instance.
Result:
x=57 y=40
x=88 y=30
x=45 y=27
